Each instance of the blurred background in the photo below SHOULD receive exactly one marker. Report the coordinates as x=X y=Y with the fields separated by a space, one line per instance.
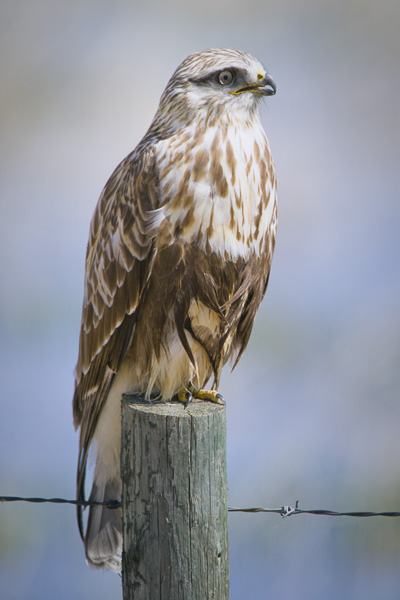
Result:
x=313 y=407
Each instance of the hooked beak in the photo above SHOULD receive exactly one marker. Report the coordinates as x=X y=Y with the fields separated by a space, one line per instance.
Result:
x=269 y=87
x=264 y=87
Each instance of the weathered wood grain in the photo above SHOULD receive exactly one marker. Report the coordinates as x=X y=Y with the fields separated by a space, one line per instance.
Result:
x=174 y=501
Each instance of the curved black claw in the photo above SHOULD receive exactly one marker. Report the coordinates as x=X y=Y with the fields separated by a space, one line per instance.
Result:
x=189 y=398
x=220 y=398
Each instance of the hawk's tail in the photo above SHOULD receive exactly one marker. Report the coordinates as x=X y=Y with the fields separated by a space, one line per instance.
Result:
x=103 y=539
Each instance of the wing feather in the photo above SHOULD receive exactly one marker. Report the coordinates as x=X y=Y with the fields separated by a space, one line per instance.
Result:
x=119 y=260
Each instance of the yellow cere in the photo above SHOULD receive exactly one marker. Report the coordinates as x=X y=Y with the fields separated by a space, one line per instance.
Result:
x=249 y=88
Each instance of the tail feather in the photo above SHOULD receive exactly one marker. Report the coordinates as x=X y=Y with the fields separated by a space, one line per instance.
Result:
x=103 y=540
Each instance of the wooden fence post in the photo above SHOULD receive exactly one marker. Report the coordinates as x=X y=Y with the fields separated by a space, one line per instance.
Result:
x=174 y=501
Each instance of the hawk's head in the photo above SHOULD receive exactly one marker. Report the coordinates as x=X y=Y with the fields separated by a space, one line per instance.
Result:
x=213 y=82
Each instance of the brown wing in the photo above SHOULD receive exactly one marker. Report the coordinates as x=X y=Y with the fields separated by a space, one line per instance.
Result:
x=118 y=265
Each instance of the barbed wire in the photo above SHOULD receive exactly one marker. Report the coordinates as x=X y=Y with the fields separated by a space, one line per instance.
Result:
x=84 y=503
x=284 y=511
x=287 y=511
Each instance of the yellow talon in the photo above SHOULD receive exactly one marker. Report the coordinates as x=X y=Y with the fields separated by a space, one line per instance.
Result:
x=211 y=395
x=185 y=396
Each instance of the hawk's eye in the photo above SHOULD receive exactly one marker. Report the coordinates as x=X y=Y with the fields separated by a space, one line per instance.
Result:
x=225 y=77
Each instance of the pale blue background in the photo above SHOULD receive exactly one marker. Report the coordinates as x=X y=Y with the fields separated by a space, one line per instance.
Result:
x=313 y=408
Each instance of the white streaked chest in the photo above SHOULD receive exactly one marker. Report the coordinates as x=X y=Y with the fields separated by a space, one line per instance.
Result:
x=218 y=187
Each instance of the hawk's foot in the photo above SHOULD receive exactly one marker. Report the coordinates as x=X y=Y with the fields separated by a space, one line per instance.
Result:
x=185 y=396
x=210 y=395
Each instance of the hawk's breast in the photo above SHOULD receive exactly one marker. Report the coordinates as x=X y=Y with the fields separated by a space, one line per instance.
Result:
x=218 y=188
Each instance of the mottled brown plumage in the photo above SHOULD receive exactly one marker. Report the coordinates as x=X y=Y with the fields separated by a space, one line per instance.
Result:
x=178 y=260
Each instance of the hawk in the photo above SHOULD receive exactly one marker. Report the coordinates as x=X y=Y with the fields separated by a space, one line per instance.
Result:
x=178 y=261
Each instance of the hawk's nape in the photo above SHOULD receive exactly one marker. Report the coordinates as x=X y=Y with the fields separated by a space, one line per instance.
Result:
x=178 y=261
